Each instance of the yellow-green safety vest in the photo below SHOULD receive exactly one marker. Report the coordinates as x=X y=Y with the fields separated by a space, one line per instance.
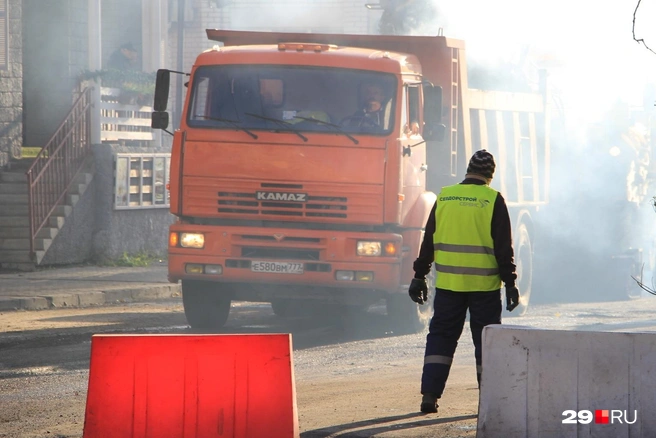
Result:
x=464 y=249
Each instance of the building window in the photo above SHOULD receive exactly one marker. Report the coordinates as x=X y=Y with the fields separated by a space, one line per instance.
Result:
x=4 y=35
x=140 y=181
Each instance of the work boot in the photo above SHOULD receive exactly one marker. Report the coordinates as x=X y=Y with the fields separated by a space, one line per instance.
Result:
x=429 y=404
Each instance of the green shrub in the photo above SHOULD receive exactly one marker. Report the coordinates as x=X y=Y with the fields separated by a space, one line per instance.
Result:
x=30 y=152
x=133 y=81
x=133 y=260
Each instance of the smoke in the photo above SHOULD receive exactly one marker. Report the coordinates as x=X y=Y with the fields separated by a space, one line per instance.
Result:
x=600 y=78
x=602 y=83
x=290 y=16
x=588 y=47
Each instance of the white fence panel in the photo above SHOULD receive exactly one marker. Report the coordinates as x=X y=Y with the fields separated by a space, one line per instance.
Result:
x=125 y=118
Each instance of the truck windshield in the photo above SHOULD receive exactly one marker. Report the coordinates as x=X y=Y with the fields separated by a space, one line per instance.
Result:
x=293 y=98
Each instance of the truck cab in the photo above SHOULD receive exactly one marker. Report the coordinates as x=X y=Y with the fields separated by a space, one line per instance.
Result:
x=298 y=175
x=288 y=191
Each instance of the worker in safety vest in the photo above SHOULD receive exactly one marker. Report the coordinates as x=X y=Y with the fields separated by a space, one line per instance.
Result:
x=468 y=236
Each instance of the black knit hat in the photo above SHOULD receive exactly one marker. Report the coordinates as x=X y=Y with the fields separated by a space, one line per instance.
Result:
x=482 y=163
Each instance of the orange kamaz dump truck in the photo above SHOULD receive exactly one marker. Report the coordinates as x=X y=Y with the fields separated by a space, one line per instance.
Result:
x=287 y=191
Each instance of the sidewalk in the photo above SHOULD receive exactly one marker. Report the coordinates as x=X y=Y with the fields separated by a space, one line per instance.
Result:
x=84 y=286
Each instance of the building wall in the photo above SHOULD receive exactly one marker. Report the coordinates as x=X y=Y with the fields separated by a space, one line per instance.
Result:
x=55 y=52
x=121 y=23
x=78 y=36
x=115 y=232
x=73 y=243
x=11 y=89
x=96 y=232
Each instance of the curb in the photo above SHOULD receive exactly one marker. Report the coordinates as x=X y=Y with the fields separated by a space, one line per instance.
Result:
x=90 y=298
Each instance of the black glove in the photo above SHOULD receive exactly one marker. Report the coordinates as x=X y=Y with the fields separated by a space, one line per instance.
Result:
x=512 y=298
x=418 y=290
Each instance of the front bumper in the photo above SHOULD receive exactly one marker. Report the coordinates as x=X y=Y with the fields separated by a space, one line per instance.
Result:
x=314 y=256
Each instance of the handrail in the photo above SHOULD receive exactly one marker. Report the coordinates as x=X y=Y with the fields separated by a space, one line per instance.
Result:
x=57 y=164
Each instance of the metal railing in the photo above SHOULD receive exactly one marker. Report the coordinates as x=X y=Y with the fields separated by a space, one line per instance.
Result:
x=58 y=163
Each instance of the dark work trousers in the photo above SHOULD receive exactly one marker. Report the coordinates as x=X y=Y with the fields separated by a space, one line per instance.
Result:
x=449 y=313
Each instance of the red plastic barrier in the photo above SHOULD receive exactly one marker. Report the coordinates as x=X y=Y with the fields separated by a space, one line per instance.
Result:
x=202 y=386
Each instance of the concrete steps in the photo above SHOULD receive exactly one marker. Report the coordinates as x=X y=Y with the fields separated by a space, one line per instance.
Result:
x=13 y=189
x=9 y=176
x=14 y=210
x=14 y=232
x=15 y=223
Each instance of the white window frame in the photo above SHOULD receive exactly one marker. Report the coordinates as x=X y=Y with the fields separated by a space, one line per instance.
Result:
x=128 y=183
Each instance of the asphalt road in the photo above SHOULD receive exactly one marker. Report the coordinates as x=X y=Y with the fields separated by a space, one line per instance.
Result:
x=354 y=378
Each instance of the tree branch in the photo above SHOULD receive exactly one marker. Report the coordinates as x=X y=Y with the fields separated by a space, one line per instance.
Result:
x=640 y=40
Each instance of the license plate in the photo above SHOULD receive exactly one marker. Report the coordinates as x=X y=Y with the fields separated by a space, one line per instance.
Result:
x=277 y=267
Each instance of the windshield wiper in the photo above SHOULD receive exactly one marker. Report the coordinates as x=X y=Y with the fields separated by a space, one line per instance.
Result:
x=279 y=123
x=332 y=125
x=233 y=123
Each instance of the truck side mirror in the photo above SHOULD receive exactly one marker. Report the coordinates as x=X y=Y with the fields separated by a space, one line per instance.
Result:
x=162 y=90
x=433 y=128
x=159 y=120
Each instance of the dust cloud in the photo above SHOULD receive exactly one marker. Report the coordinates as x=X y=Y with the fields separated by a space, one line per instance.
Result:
x=598 y=228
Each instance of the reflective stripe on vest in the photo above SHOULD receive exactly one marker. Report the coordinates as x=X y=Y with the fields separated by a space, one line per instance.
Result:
x=464 y=249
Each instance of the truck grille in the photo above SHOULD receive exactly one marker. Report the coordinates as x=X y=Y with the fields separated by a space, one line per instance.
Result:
x=287 y=239
x=253 y=252
x=316 y=206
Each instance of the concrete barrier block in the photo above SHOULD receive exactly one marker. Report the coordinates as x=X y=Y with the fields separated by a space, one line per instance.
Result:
x=151 y=293
x=9 y=304
x=117 y=296
x=95 y=298
x=146 y=293
x=62 y=300
x=33 y=303
x=531 y=377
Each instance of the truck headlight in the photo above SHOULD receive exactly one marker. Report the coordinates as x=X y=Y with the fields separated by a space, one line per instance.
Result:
x=369 y=248
x=192 y=240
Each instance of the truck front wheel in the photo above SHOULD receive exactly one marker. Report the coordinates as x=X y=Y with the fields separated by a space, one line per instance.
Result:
x=205 y=306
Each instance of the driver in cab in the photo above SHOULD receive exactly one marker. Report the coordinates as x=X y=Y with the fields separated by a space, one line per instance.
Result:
x=372 y=108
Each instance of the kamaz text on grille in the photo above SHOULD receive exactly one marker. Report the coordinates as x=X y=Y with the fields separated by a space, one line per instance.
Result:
x=281 y=196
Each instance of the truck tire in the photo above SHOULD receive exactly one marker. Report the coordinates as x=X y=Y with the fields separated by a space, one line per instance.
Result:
x=205 y=306
x=524 y=261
